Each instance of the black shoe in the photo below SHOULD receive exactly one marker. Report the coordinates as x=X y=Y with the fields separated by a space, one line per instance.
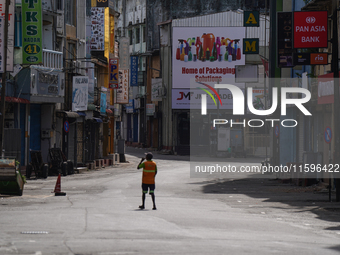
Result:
x=141 y=207
x=154 y=208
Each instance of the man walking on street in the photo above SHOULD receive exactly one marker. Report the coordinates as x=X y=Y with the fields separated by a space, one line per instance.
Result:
x=148 y=180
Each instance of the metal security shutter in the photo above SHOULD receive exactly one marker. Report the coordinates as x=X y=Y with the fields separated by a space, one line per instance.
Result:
x=71 y=142
x=22 y=127
x=80 y=142
x=35 y=127
x=12 y=143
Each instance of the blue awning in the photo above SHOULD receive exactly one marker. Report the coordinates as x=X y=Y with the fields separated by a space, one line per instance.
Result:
x=82 y=114
x=98 y=120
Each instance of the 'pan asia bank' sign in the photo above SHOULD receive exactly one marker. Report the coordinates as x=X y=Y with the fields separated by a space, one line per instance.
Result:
x=310 y=29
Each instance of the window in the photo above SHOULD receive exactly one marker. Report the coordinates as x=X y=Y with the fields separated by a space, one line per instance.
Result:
x=59 y=4
x=137 y=35
x=69 y=12
x=131 y=37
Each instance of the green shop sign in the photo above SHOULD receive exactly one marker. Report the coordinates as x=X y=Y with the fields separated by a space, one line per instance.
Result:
x=32 y=32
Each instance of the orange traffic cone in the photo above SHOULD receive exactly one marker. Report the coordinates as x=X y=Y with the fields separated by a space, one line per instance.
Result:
x=57 y=189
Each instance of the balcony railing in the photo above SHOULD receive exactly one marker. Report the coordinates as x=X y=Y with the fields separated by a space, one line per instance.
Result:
x=53 y=59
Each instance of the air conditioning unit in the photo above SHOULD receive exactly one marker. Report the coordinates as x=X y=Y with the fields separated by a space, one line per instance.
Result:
x=78 y=67
x=74 y=67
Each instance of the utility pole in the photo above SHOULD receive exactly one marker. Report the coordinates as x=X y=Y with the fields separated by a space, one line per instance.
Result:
x=335 y=69
x=3 y=88
x=272 y=73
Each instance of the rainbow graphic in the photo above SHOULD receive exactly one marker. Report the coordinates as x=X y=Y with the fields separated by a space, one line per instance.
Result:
x=209 y=93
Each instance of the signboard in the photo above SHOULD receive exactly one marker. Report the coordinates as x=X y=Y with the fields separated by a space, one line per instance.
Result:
x=80 y=93
x=310 y=58
x=156 y=89
x=191 y=99
x=10 y=40
x=259 y=99
x=103 y=102
x=319 y=58
x=129 y=107
x=251 y=19
x=150 y=109
x=98 y=29
x=114 y=73
x=251 y=46
x=66 y=126
x=123 y=88
x=106 y=3
x=302 y=59
x=328 y=135
x=32 y=32
x=285 y=39
x=326 y=88
x=198 y=60
x=92 y=79
x=124 y=53
x=310 y=29
x=134 y=71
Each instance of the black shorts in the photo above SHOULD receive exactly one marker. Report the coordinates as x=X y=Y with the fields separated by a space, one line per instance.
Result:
x=146 y=187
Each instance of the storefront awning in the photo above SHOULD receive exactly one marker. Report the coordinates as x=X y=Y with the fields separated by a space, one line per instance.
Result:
x=64 y=114
x=98 y=120
x=82 y=114
x=16 y=100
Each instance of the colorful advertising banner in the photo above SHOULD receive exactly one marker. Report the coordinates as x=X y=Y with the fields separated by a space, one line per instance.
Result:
x=10 y=41
x=123 y=88
x=98 y=29
x=32 y=32
x=113 y=73
x=80 y=93
x=134 y=71
x=205 y=54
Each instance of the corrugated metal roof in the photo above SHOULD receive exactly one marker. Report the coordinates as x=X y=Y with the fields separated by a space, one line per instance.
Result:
x=228 y=19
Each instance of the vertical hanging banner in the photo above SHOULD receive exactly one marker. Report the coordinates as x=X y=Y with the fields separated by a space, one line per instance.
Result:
x=80 y=93
x=124 y=53
x=123 y=89
x=10 y=40
x=32 y=32
x=285 y=39
x=103 y=100
x=113 y=73
x=134 y=71
x=98 y=29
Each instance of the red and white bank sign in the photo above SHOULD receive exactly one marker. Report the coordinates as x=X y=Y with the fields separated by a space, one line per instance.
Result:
x=310 y=29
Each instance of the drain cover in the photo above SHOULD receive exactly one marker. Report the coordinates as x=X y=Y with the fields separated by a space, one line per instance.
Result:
x=34 y=232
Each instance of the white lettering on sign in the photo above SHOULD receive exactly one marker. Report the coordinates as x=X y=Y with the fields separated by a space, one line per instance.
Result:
x=310 y=29
x=310 y=39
